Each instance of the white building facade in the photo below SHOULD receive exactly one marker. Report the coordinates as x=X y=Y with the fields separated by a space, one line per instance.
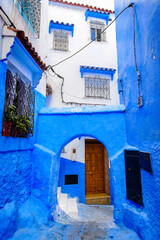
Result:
x=90 y=76
x=29 y=17
x=87 y=78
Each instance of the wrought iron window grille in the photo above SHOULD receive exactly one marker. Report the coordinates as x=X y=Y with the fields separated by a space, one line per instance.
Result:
x=96 y=28
x=32 y=11
x=61 y=40
x=19 y=107
x=96 y=87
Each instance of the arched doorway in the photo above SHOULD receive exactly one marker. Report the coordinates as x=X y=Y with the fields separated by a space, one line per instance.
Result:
x=106 y=124
x=84 y=171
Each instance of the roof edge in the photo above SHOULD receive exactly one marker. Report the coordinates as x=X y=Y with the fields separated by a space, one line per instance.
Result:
x=82 y=5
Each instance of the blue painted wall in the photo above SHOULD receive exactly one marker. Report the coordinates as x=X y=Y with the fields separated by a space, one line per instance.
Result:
x=142 y=124
x=68 y=167
x=106 y=124
x=15 y=167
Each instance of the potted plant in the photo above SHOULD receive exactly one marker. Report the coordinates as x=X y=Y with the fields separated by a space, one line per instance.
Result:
x=8 y=120
x=14 y=131
x=23 y=125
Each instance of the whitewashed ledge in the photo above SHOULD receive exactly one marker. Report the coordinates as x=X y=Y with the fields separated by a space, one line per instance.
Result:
x=83 y=110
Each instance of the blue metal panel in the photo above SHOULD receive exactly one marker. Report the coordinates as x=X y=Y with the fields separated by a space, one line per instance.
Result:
x=133 y=177
x=145 y=161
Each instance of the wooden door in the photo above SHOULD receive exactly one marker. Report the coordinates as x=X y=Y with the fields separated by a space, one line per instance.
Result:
x=94 y=168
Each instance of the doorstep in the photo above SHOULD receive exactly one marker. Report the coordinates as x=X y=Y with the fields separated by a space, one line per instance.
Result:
x=98 y=199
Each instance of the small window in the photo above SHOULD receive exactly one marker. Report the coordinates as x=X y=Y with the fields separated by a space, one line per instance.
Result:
x=71 y=179
x=60 y=40
x=96 y=29
x=96 y=87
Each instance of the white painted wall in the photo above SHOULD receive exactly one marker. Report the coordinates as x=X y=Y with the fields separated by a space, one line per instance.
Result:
x=1 y=29
x=12 y=11
x=99 y=54
x=79 y=145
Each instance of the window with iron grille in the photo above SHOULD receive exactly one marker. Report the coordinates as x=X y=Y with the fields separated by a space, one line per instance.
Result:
x=96 y=87
x=19 y=106
x=96 y=29
x=31 y=11
x=60 y=40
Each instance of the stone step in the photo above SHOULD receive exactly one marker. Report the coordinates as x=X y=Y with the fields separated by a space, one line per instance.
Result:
x=68 y=205
x=72 y=205
x=58 y=193
x=98 y=199
x=63 y=202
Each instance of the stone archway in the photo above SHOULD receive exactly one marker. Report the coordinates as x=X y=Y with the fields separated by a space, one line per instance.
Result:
x=57 y=127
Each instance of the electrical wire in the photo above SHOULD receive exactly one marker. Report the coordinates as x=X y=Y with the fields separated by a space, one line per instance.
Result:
x=12 y=24
x=63 y=91
x=138 y=74
x=135 y=55
x=65 y=59
x=69 y=93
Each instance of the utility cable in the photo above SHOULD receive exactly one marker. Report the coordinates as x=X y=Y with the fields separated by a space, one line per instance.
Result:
x=135 y=55
x=69 y=93
x=62 y=92
x=12 y=24
x=49 y=66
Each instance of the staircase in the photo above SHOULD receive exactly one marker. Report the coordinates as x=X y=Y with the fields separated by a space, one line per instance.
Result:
x=67 y=204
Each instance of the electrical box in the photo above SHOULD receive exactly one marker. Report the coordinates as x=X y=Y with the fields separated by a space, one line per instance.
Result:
x=140 y=103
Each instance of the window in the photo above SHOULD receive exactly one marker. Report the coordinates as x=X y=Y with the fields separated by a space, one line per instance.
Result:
x=96 y=87
x=60 y=40
x=19 y=106
x=96 y=29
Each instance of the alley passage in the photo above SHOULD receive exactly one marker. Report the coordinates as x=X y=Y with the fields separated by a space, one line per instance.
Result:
x=92 y=223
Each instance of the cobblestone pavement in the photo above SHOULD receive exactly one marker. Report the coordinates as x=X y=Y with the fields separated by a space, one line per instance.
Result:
x=92 y=223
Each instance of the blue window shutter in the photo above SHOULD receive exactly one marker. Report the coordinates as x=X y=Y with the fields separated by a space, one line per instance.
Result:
x=93 y=34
